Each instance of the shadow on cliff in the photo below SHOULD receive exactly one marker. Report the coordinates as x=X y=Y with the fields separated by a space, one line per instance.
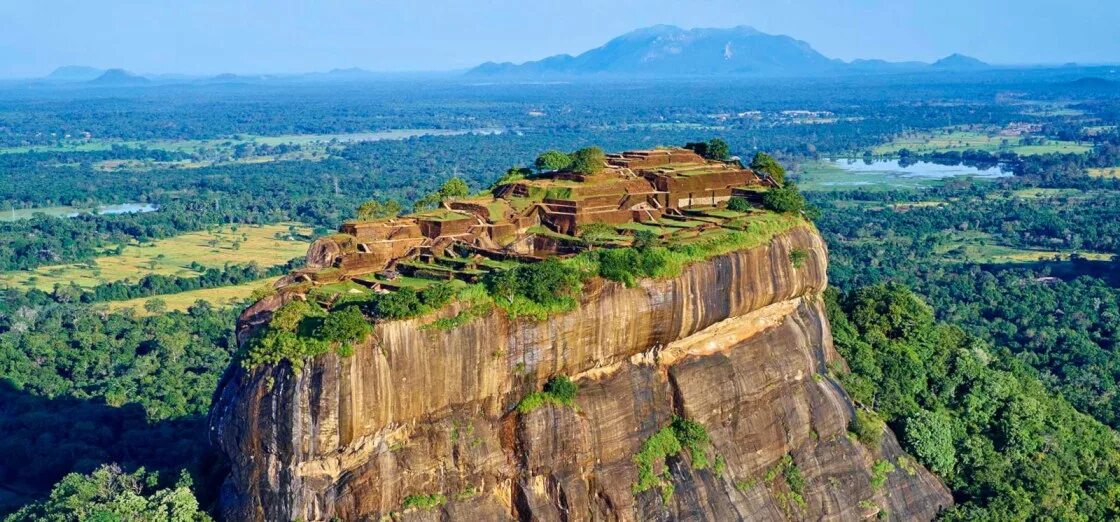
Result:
x=43 y=439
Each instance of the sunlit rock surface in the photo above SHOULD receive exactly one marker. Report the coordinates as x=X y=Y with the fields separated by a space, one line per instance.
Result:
x=739 y=343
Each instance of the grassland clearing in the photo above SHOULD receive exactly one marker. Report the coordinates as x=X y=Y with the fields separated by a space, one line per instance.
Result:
x=1108 y=172
x=226 y=145
x=943 y=140
x=173 y=256
x=219 y=297
x=980 y=247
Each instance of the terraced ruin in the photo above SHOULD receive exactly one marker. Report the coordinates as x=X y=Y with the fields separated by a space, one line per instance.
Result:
x=674 y=194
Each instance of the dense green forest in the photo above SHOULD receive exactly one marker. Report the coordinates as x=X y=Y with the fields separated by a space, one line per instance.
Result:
x=1012 y=368
x=1006 y=446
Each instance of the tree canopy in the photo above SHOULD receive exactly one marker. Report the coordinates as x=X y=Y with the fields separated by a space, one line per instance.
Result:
x=588 y=160
x=715 y=149
x=1008 y=448
x=374 y=209
x=552 y=160
x=767 y=165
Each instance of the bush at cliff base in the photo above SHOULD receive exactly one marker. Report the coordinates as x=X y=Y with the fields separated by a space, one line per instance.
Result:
x=110 y=494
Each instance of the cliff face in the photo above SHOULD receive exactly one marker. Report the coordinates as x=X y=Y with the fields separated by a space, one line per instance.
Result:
x=739 y=344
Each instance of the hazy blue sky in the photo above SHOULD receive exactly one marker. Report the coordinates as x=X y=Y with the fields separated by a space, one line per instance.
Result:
x=215 y=36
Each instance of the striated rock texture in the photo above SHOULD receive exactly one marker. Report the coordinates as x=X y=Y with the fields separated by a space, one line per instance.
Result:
x=739 y=344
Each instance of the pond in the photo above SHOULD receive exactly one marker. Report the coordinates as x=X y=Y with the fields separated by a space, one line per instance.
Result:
x=123 y=208
x=846 y=174
x=67 y=211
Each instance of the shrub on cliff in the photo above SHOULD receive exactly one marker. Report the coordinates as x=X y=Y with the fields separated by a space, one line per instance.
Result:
x=680 y=435
x=535 y=289
x=868 y=428
x=558 y=390
x=785 y=199
x=289 y=317
x=271 y=346
x=345 y=326
x=407 y=302
x=562 y=388
x=765 y=164
x=627 y=265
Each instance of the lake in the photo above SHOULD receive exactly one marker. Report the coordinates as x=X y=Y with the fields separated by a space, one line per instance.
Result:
x=123 y=208
x=845 y=174
x=66 y=211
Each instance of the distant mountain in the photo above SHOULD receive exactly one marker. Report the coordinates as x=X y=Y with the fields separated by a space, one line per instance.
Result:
x=959 y=62
x=119 y=78
x=74 y=73
x=1092 y=82
x=666 y=50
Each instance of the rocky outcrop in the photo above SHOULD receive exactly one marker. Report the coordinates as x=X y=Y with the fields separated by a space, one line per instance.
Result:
x=739 y=343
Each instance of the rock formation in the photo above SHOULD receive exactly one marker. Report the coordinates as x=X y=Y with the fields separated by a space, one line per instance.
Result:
x=422 y=424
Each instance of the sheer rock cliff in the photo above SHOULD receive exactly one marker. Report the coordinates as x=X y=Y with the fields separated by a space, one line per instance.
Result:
x=739 y=344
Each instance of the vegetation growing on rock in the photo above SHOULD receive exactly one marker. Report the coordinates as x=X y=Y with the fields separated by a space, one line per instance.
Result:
x=558 y=390
x=680 y=434
x=424 y=501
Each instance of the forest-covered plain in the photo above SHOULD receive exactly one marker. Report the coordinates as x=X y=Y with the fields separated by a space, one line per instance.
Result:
x=86 y=384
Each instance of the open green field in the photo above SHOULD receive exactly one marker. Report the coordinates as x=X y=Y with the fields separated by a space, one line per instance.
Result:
x=202 y=145
x=1111 y=172
x=949 y=140
x=27 y=213
x=16 y=214
x=173 y=256
x=980 y=247
x=221 y=296
x=224 y=151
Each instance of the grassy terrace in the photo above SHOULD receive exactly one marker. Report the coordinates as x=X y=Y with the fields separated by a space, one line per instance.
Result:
x=332 y=322
x=440 y=215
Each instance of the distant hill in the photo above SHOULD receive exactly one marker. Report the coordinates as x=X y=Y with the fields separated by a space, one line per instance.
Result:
x=74 y=73
x=1093 y=82
x=959 y=62
x=119 y=77
x=666 y=50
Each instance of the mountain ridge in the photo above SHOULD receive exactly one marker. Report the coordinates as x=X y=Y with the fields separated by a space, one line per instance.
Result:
x=118 y=77
x=667 y=50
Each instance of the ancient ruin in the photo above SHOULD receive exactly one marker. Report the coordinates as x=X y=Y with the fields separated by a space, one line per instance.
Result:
x=664 y=191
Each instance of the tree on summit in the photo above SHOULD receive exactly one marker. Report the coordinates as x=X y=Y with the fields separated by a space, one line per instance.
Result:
x=588 y=160
x=718 y=150
x=766 y=164
x=374 y=209
x=552 y=160
x=715 y=149
x=452 y=188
